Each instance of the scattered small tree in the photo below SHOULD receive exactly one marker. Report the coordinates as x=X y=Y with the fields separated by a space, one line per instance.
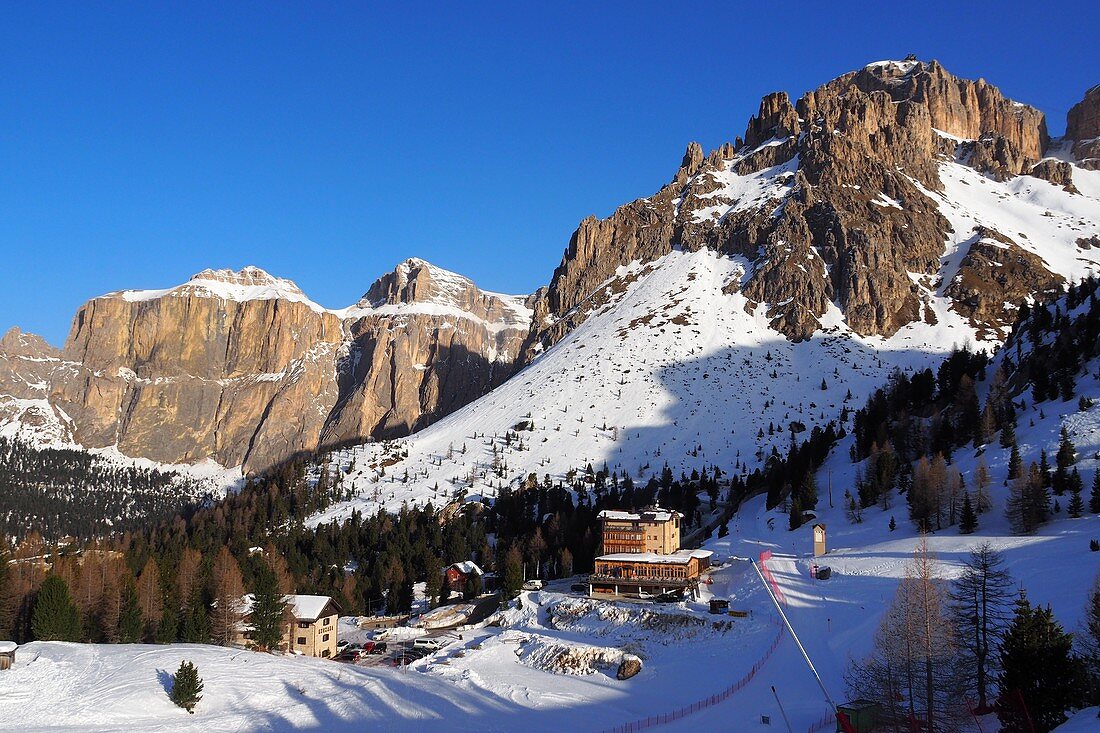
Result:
x=186 y=687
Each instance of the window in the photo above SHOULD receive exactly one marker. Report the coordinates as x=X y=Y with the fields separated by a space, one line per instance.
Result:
x=303 y=624
x=301 y=640
x=324 y=653
x=325 y=637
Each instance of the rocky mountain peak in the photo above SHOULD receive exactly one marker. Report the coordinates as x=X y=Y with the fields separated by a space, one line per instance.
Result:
x=417 y=283
x=17 y=342
x=248 y=276
x=834 y=198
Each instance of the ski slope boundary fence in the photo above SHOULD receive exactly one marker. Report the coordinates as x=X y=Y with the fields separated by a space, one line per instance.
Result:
x=825 y=722
x=657 y=720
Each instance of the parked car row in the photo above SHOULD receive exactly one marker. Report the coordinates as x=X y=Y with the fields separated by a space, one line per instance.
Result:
x=354 y=652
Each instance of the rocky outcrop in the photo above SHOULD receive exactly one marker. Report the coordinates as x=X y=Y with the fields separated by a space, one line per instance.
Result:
x=421 y=343
x=243 y=368
x=1058 y=172
x=996 y=271
x=1083 y=127
x=825 y=196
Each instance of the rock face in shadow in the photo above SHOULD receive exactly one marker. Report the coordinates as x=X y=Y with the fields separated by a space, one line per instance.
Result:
x=826 y=198
x=1083 y=127
x=243 y=368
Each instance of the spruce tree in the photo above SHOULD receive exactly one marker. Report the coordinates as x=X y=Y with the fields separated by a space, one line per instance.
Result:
x=268 y=610
x=1040 y=676
x=55 y=616
x=1094 y=495
x=512 y=580
x=433 y=586
x=1015 y=463
x=1076 y=505
x=794 y=521
x=968 y=520
x=186 y=687
x=130 y=621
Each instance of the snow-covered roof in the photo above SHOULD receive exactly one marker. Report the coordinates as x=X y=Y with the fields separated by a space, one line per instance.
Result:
x=648 y=515
x=680 y=557
x=467 y=567
x=6 y=647
x=305 y=607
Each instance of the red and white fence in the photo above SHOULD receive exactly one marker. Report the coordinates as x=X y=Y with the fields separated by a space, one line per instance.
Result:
x=655 y=720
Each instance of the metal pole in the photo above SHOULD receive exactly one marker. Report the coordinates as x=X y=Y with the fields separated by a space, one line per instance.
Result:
x=781 y=710
x=786 y=621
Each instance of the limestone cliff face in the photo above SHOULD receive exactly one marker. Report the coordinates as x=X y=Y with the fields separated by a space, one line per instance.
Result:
x=826 y=197
x=28 y=366
x=421 y=343
x=1083 y=127
x=243 y=368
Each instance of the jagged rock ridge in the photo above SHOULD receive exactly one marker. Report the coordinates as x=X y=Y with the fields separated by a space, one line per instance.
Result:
x=828 y=198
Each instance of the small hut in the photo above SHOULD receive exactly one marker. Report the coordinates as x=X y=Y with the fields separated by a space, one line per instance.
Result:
x=7 y=654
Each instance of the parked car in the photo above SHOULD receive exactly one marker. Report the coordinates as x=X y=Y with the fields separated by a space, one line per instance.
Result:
x=670 y=597
x=349 y=655
x=379 y=647
x=428 y=643
x=533 y=585
x=341 y=644
x=579 y=587
x=368 y=647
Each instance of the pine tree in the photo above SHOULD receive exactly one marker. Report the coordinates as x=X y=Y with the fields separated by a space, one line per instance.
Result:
x=968 y=520
x=1015 y=463
x=186 y=687
x=433 y=584
x=1008 y=430
x=794 y=521
x=55 y=616
x=981 y=599
x=1040 y=676
x=268 y=610
x=512 y=580
x=1094 y=495
x=130 y=622
x=1076 y=505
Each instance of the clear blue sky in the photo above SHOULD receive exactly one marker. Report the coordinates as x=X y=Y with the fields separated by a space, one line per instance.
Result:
x=324 y=142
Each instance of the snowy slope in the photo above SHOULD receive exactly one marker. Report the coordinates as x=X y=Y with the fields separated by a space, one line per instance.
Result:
x=670 y=364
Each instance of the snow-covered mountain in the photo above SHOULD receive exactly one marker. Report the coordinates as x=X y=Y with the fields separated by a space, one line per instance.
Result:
x=874 y=223
x=686 y=356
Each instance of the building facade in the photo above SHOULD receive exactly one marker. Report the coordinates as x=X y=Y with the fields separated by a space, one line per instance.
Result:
x=641 y=555
x=310 y=628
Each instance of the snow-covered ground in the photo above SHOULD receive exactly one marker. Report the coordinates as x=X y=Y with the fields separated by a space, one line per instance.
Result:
x=672 y=370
